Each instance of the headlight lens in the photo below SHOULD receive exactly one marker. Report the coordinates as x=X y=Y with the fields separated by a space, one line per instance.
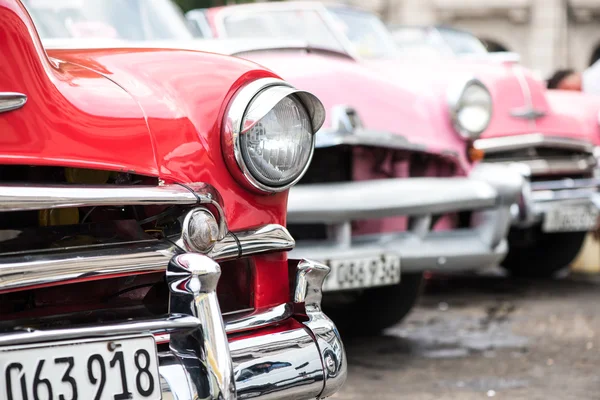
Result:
x=472 y=109
x=279 y=145
x=268 y=140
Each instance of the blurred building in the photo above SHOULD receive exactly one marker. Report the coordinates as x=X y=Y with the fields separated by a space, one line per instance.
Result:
x=548 y=34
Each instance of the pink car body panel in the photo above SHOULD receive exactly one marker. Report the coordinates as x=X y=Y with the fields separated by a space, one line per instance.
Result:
x=381 y=104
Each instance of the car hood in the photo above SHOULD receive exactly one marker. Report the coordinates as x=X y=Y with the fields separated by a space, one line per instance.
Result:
x=336 y=80
x=572 y=114
x=522 y=104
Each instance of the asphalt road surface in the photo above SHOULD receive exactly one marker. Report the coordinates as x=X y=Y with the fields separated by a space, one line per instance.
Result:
x=475 y=337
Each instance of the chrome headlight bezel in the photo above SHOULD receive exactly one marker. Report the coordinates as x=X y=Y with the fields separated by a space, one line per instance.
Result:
x=264 y=95
x=456 y=93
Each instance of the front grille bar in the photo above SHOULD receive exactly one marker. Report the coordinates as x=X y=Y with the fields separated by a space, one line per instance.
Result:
x=42 y=197
x=53 y=268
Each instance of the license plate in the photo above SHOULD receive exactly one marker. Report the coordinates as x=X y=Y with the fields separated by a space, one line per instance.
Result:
x=570 y=219
x=107 y=369
x=363 y=272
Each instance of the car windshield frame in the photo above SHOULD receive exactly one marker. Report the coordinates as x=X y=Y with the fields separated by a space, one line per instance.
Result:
x=453 y=38
x=109 y=19
x=273 y=25
x=386 y=46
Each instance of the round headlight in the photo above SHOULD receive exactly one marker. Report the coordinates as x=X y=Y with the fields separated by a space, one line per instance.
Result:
x=471 y=108
x=268 y=140
x=278 y=146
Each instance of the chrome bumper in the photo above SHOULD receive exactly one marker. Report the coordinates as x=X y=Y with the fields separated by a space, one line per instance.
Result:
x=537 y=198
x=301 y=361
x=489 y=192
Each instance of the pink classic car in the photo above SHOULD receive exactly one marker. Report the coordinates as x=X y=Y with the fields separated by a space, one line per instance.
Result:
x=549 y=135
x=392 y=190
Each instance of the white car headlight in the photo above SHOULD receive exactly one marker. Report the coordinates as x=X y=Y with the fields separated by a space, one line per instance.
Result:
x=470 y=108
x=268 y=139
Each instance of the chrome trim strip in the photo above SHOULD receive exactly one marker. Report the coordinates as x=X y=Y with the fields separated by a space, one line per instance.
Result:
x=365 y=137
x=446 y=251
x=18 y=272
x=527 y=109
x=267 y=238
x=391 y=197
x=53 y=268
x=541 y=166
x=567 y=184
x=10 y=101
x=506 y=143
x=164 y=325
x=40 y=197
x=258 y=319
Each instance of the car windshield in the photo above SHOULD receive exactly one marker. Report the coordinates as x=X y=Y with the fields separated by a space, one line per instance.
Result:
x=419 y=41
x=368 y=35
x=304 y=25
x=462 y=42
x=112 y=19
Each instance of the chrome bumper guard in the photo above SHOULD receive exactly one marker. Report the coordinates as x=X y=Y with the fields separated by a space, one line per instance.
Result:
x=489 y=192
x=307 y=361
x=537 y=198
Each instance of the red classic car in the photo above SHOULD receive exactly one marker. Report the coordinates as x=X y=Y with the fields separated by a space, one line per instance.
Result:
x=392 y=190
x=549 y=135
x=143 y=250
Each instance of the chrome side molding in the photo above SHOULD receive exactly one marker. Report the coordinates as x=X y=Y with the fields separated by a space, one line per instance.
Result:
x=11 y=101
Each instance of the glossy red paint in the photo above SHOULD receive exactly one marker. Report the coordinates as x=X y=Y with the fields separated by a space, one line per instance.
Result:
x=67 y=119
x=126 y=109
x=155 y=112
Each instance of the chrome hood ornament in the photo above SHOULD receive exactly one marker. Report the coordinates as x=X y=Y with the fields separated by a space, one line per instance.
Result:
x=528 y=113
x=11 y=101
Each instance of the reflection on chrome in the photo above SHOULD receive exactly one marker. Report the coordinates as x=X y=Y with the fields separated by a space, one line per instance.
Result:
x=277 y=365
x=310 y=276
x=192 y=280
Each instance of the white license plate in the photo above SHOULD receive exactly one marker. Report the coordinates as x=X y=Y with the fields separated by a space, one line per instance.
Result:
x=363 y=272
x=107 y=369
x=570 y=218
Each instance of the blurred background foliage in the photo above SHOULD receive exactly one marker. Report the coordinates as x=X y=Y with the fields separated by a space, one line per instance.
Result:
x=187 y=5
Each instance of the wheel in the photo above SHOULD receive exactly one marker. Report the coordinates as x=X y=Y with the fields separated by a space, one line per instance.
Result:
x=535 y=254
x=372 y=310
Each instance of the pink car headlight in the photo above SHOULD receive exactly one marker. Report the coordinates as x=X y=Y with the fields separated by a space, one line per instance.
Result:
x=470 y=106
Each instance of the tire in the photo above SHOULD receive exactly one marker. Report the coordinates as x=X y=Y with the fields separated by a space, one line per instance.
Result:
x=372 y=310
x=535 y=254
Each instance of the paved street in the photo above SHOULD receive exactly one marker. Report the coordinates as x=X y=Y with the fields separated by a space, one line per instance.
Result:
x=483 y=337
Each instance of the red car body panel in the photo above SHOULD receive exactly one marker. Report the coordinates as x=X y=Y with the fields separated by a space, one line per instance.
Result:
x=127 y=110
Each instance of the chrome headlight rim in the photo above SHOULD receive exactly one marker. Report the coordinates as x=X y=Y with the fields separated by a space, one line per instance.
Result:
x=235 y=117
x=455 y=96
